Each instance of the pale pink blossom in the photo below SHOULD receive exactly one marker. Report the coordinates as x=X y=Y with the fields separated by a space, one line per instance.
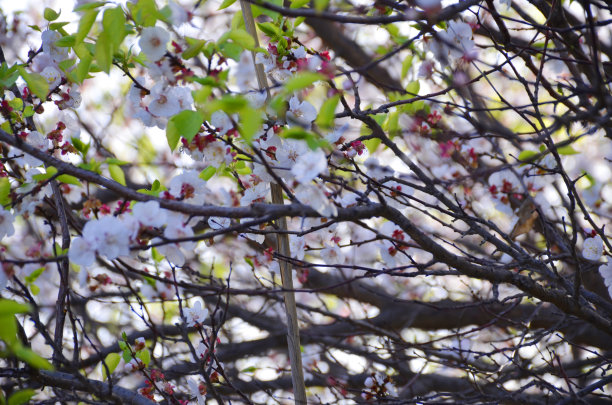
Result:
x=57 y=53
x=153 y=42
x=149 y=213
x=164 y=103
x=314 y=196
x=592 y=248
x=195 y=315
x=309 y=165
x=301 y=113
x=6 y=223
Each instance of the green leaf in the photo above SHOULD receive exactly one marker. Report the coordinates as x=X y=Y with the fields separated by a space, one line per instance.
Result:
x=527 y=155
x=567 y=150
x=250 y=123
x=104 y=52
x=145 y=356
x=249 y=369
x=270 y=30
x=8 y=331
x=115 y=161
x=68 y=179
x=5 y=191
x=89 y=6
x=158 y=257
x=226 y=4
x=327 y=113
x=186 y=124
x=86 y=22
x=113 y=23
x=82 y=69
x=406 y=64
x=67 y=41
x=8 y=76
x=231 y=50
x=299 y=3
x=413 y=88
x=50 y=172
x=207 y=173
x=302 y=80
x=242 y=38
x=50 y=14
x=36 y=83
x=195 y=46
x=144 y=12
x=28 y=111
x=10 y=307
x=391 y=124
x=58 y=26
x=321 y=5
x=33 y=359
x=80 y=145
x=16 y=103
x=34 y=275
x=112 y=361
x=117 y=174
x=65 y=65
x=372 y=144
x=21 y=397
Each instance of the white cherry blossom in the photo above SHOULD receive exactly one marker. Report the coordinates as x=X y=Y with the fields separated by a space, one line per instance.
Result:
x=309 y=165
x=195 y=315
x=153 y=42
x=112 y=239
x=39 y=141
x=592 y=248
x=52 y=75
x=332 y=255
x=221 y=121
x=301 y=113
x=605 y=270
x=313 y=195
x=194 y=387
x=6 y=223
x=149 y=213
x=255 y=192
x=164 y=103
x=57 y=53
x=188 y=186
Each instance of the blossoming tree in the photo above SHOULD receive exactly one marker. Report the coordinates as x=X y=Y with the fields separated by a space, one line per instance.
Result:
x=256 y=201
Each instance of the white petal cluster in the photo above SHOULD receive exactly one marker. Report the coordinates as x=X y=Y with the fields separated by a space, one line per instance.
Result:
x=592 y=248
x=309 y=165
x=455 y=42
x=105 y=236
x=153 y=42
x=195 y=315
x=6 y=223
x=57 y=53
x=301 y=113
x=149 y=213
x=314 y=196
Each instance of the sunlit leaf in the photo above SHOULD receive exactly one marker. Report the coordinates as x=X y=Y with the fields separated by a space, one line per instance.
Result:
x=302 y=80
x=184 y=124
x=117 y=174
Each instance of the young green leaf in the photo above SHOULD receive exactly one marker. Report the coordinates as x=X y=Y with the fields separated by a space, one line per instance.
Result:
x=33 y=359
x=21 y=397
x=302 y=80
x=186 y=124
x=117 y=174
x=112 y=361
